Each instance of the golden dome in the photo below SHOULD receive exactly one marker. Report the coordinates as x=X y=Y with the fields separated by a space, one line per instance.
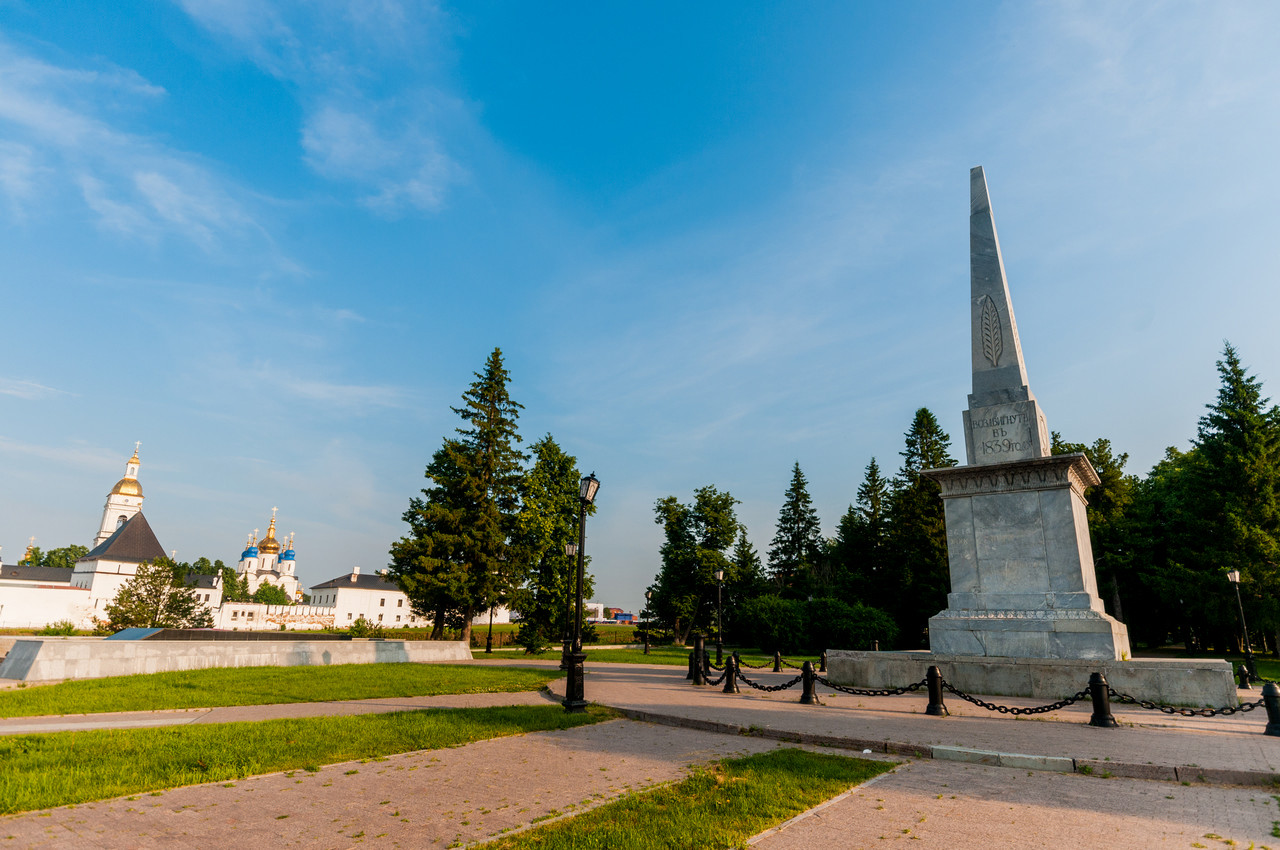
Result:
x=269 y=544
x=127 y=487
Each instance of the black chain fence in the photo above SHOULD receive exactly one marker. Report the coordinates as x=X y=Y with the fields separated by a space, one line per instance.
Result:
x=1182 y=710
x=872 y=692
x=1013 y=709
x=1101 y=696
x=770 y=689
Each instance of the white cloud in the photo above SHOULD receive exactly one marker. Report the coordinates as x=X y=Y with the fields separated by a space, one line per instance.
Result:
x=28 y=389
x=388 y=145
x=59 y=127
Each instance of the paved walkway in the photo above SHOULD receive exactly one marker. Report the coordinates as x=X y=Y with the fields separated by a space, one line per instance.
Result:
x=437 y=798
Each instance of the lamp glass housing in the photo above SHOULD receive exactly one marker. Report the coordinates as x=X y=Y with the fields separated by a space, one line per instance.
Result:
x=1234 y=576
x=571 y=549
x=587 y=490
x=718 y=575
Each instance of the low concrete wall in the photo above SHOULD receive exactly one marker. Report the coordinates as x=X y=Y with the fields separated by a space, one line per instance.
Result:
x=1174 y=681
x=38 y=659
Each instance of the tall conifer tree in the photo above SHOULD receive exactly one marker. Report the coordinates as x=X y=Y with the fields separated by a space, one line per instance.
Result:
x=797 y=550
x=918 y=578
x=457 y=562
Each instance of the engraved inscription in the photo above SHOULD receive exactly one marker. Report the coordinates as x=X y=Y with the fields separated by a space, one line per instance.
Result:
x=992 y=340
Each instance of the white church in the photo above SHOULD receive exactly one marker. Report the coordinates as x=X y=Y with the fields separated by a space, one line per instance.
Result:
x=36 y=596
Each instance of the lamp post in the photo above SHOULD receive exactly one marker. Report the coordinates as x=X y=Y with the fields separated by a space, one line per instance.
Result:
x=488 y=642
x=574 y=698
x=648 y=600
x=571 y=550
x=1234 y=578
x=718 y=575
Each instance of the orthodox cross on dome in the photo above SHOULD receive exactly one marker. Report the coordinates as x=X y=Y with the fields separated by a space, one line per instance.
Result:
x=137 y=445
x=273 y=512
x=31 y=541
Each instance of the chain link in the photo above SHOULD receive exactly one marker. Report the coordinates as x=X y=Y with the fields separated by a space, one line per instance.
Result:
x=786 y=663
x=1182 y=710
x=871 y=692
x=709 y=681
x=755 y=666
x=1009 y=709
x=770 y=689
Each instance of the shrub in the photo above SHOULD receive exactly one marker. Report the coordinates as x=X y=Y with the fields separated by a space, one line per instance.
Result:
x=61 y=627
x=362 y=628
x=533 y=639
x=787 y=625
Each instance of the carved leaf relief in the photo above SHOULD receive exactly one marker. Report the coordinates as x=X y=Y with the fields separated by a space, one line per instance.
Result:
x=992 y=340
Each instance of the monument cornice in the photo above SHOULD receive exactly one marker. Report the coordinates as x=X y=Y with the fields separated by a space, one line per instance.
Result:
x=1041 y=473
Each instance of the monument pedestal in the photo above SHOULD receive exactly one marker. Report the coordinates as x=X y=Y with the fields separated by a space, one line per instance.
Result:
x=1022 y=578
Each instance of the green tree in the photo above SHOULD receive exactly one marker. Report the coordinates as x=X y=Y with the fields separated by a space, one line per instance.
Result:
x=796 y=553
x=269 y=594
x=548 y=520
x=234 y=588
x=920 y=580
x=457 y=560
x=64 y=558
x=157 y=596
x=1109 y=503
x=33 y=557
x=858 y=553
x=697 y=537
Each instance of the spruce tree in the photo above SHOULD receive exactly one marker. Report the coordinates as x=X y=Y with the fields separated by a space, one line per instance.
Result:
x=797 y=551
x=918 y=577
x=858 y=551
x=696 y=538
x=548 y=520
x=457 y=560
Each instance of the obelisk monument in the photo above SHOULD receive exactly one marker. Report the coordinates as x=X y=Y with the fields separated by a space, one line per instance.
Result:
x=1022 y=577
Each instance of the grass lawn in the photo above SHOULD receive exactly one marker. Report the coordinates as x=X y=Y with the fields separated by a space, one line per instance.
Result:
x=266 y=685
x=721 y=806
x=40 y=771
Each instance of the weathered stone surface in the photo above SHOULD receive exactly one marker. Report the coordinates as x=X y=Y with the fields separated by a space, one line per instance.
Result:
x=88 y=658
x=1172 y=681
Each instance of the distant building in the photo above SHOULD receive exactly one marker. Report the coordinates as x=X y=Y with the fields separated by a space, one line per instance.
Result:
x=266 y=562
x=379 y=600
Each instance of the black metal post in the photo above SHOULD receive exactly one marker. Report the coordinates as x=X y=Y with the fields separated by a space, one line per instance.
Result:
x=689 y=676
x=646 y=639
x=1101 y=702
x=1271 y=701
x=933 y=682
x=699 y=658
x=809 y=679
x=488 y=642
x=1243 y=674
x=777 y=661
x=822 y=662
x=719 y=626
x=731 y=675
x=1248 y=650
x=574 y=692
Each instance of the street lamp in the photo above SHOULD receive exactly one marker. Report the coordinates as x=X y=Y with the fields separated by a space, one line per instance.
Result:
x=574 y=698
x=571 y=550
x=1234 y=578
x=718 y=575
x=648 y=600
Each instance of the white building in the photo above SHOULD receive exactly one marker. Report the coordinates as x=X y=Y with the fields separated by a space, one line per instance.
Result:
x=377 y=598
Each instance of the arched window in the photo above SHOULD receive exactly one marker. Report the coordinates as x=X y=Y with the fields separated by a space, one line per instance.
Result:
x=120 y=520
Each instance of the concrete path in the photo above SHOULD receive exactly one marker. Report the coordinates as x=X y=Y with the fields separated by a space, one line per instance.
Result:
x=1148 y=744
x=432 y=798
x=437 y=798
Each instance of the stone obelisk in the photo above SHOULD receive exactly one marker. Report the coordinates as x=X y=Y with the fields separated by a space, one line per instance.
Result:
x=1022 y=577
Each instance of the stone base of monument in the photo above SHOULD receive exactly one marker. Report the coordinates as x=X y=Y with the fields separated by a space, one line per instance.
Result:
x=39 y=660
x=1171 y=681
x=1065 y=633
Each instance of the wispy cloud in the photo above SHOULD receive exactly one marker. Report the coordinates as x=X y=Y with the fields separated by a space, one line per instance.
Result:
x=385 y=138
x=60 y=129
x=28 y=389
x=76 y=455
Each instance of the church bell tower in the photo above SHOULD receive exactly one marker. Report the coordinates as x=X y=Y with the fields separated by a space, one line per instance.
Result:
x=124 y=500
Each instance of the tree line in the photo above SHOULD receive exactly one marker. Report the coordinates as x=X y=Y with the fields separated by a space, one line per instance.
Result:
x=1163 y=543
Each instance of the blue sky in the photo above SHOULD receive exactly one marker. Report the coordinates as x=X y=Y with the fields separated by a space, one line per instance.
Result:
x=273 y=240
